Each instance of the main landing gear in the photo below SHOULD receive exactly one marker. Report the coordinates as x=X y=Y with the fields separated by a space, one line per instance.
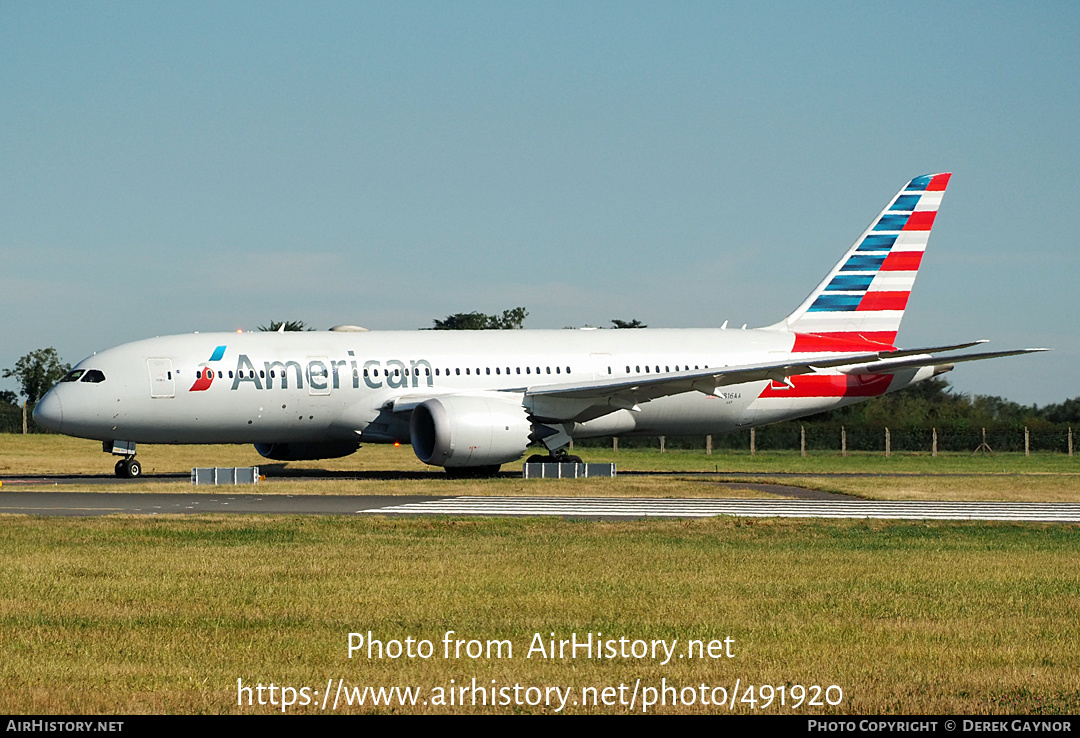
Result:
x=128 y=468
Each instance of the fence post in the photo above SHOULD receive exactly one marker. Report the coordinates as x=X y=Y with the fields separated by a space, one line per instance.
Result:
x=1070 y=440
x=1027 y=442
x=752 y=449
x=888 y=443
x=708 y=445
x=843 y=441
x=934 y=451
x=661 y=444
x=802 y=441
x=614 y=444
x=24 y=418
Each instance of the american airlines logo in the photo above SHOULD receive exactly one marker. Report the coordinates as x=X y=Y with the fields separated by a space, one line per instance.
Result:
x=205 y=375
x=323 y=374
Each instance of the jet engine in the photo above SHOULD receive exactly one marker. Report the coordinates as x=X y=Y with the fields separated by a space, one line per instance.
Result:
x=306 y=451
x=469 y=430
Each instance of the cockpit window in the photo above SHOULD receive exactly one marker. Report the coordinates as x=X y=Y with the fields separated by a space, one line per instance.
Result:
x=93 y=376
x=73 y=375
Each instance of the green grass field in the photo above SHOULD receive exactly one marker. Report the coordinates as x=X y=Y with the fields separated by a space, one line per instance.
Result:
x=153 y=615
x=164 y=615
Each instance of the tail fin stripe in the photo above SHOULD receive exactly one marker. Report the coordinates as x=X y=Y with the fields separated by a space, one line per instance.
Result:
x=922 y=220
x=877 y=242
x=891 y=222
x=863 y=263
x=902 y=261
x=892 y=282
x=884 y=301
x=906 y=202
x=850 y=283
x=938 y=183
x=831 y=303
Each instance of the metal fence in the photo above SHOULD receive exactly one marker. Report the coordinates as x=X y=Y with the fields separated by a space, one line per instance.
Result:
x=820 y=437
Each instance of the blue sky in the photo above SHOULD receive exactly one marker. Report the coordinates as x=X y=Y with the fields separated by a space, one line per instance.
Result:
x=167 y=168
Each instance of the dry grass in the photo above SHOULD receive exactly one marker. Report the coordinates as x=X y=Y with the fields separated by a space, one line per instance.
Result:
x=136 y=615
x=1043 y=477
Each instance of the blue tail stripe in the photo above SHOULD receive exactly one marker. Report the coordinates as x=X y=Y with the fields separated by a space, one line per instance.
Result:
x=835 y=303
x=891 y=222
x=850 y=282
x=906 y=202
x=863 y=263
x=877 y=242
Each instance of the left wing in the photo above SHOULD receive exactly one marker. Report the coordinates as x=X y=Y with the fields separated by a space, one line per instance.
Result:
x=581 y=401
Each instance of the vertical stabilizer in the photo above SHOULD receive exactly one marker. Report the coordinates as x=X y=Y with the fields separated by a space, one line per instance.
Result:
x=861 y=302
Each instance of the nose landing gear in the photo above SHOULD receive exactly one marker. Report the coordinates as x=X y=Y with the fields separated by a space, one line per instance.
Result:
x=127 y=467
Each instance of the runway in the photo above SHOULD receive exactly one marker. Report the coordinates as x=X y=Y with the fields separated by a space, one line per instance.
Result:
x=596 y=507
x=76 y=504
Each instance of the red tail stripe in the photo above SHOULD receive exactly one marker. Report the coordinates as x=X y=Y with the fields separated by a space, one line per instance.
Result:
x=844 y=341
x=902 y=261
x=922 y=220
x=884 y=301
x=938 y=183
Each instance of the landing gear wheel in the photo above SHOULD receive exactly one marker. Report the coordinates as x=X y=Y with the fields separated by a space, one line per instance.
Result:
x=570 y=459
x=538 y=459
x=128 y=469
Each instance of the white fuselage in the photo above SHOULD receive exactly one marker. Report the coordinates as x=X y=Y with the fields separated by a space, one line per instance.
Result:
x=327 y=386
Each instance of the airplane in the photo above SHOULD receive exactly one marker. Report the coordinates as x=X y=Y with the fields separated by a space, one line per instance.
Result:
x=470 y=401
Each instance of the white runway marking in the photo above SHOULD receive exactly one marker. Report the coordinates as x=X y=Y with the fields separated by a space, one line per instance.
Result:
x=606 y=507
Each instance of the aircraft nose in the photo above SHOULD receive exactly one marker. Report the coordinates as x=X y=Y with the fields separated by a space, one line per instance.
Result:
x=49 y=413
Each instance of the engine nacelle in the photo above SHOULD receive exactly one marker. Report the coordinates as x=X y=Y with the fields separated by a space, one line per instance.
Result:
x=469 y=430
x=306 y=451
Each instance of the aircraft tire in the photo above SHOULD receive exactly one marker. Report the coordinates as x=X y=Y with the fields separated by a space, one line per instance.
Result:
x=571 y=459
x=119 y=469
x=133 y=469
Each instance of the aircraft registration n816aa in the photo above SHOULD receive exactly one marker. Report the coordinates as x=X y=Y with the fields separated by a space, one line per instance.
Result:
x=470 y=401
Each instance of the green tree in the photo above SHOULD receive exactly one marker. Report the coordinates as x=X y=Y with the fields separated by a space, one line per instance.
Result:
x=509 y=320
x=37 y=372
x=7 y=397
x=628 y=323
x=290 y=325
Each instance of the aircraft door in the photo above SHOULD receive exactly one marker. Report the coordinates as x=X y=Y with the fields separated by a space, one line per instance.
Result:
x=162 y=383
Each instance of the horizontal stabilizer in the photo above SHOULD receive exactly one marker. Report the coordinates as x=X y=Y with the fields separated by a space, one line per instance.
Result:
x=889 y=366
